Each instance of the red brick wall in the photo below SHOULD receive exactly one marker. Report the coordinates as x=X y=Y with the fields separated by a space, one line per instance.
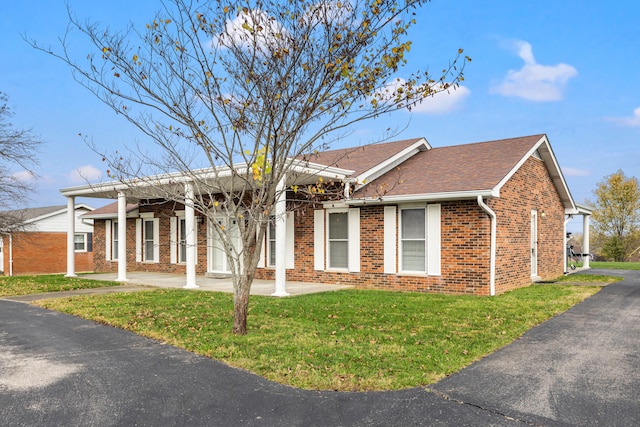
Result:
x=465 y=254
x=42 y=253
x=164 y=212
x=531 y=188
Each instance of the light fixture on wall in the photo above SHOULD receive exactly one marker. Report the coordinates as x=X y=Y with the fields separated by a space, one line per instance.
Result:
x=543 y=214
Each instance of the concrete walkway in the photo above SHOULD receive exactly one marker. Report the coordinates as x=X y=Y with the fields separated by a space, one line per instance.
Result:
x=139 y=281
x=205 y=283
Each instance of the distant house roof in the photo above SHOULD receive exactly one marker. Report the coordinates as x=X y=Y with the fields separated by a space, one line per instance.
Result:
x=28 y=215
x=32 y=219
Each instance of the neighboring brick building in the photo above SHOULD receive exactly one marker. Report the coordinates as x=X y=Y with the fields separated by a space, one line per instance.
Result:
x=37 y=241
x=480 y=218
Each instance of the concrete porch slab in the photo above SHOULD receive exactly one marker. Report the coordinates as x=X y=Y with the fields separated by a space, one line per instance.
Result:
x=259 y=287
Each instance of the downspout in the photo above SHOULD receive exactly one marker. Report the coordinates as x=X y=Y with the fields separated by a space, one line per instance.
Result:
x=492 y=262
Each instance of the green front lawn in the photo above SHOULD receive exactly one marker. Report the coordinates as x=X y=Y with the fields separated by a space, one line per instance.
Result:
x=346 y=340
x=615 y=265
x=27 y=285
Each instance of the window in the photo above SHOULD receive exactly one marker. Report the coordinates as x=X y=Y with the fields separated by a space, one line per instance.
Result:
x=413 y=239
x=147 y=235
x=271 y=242
x=114 y=239
x=80 y=242
x=338 y=240
x=148 y=240
x=182 y=240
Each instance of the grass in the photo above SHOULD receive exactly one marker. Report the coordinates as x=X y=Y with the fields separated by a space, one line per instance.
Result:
x=615 y=265
x=26 y=285
x=587 y=278
x=348 y=340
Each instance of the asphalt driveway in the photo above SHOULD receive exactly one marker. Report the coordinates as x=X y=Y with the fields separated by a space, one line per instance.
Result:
x=580 y=368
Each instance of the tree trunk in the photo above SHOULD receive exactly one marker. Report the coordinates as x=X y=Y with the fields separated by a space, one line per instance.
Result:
x=241 y=307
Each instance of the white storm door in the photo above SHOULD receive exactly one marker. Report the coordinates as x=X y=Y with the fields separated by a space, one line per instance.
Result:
x=218 y=262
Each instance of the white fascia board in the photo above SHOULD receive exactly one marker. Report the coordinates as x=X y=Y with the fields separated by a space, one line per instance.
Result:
x=433 y=197
x=133 y=213
x=584 y=209
x=309 y=168
x=399 y=158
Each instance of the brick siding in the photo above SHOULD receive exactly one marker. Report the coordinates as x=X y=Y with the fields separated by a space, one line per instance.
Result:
x=42 y=253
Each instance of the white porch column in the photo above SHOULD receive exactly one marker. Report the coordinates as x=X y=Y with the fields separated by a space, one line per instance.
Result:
x=585 y=241
x=122 y=237
x=71 y=232
x=281 y=238
x=190 y=229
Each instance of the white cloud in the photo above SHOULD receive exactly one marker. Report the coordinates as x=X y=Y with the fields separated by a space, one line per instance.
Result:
x=443 y=102
x=253 y=29
x=567 y=171
x=535 y=82
x=632 y=121
x=84 y=174
x=24 y=176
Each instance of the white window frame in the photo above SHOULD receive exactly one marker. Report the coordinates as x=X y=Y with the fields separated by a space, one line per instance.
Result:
x=271 y=241
x=84 y=242
x=143 y=254
x=181 y=239
x=402 y=239
x=112 y=241
x=433 y=239
x=329 y=240
x=178 y=241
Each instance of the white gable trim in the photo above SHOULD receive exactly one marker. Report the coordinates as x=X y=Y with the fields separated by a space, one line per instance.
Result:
x=387 y=165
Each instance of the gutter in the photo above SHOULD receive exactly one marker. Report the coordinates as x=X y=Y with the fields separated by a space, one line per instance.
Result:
x=492 y=262
x=430 y=197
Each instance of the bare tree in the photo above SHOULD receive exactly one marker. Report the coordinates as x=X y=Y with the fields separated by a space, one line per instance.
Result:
x=17 y=158
x=248 y=89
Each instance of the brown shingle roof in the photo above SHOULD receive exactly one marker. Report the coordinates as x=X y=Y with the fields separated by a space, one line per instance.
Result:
x=110 y=210
x=468 y=167
x=361 y=159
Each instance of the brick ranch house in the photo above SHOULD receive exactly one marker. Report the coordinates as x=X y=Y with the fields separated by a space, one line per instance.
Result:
x=481 y=218
x=38 y=245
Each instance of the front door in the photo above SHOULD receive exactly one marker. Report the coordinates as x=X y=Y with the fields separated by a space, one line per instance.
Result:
x=534 y=243
x=218 y=262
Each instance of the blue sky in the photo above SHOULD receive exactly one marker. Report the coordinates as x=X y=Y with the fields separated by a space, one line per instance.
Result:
x=567 y=68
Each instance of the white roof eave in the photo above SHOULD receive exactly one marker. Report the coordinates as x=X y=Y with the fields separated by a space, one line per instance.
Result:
x=430 y=197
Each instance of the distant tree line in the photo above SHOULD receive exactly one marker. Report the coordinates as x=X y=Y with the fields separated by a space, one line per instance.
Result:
x=616 y=217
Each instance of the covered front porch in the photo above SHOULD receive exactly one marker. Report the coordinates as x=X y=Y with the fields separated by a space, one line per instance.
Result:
x=185 y=190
